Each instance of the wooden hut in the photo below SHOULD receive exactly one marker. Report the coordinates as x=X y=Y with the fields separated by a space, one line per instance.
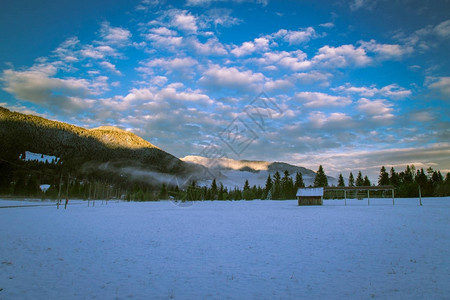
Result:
x=310 y=196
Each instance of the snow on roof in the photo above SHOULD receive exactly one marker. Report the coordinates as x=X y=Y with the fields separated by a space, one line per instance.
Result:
x=307 y=192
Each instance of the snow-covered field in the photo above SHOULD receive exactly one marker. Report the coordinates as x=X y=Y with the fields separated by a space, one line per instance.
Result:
x=226 y=250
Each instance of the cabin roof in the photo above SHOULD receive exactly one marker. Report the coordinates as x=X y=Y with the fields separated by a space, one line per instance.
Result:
x=310 y=192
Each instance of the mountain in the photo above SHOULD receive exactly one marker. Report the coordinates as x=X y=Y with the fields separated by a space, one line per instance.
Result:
x=233 y=173
x=102 y=149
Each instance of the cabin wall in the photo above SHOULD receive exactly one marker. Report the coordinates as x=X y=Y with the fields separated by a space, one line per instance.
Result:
x=311 y=200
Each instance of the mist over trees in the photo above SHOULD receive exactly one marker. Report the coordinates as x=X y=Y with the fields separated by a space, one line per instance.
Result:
x=24 y=179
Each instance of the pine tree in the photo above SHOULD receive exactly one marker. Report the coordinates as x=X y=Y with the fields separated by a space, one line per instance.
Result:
x=321 y=179
x=163 y=194
x=299 y=181
x=268 y=188
x=341 y=182
x=276 y=187
x=287 y=186
x=366 y=181
x=214 y=190
x=383 y=179
x=351 y=180
x=394 y=178
x=359 y=179
x=221 y=192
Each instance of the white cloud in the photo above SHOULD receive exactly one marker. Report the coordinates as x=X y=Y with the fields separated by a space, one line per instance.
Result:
x=170 y=64
x=163 y=31
x=294 y=37
x=386 y=51
x=37 y=85
x=99 y=52
x=111 y=67
x=294 y=60
x=359 y=4
x=67 y=50
x=378 y=110
x=222 y=17
x=231 y=78
x=422 y=116
x=115 y=35
x=211 y=47
x=439 y=85
x=184 y=21
x=316 y=99
x=163 y=41
x=392 y=91
x=443 y=29
x=314 y=76
x=342 y=56
x=209 y=2
x=327 y=25
x=258 y=44
x=333 y=121
x=279 y=84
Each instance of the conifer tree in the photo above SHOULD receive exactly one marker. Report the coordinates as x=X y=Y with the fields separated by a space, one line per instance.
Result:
x=268 y=188
x=321 y=179
x=299 y=181
x=163 y=194
x=394 y=178
x=287 y=186
x=341 y=182
x=366 y=181
x=359 y=179
x=213 y=190
x=383 y=179
x=276 y=187
x=351 y=180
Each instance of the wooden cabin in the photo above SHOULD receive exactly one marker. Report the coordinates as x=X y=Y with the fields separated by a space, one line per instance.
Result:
x=310 y=196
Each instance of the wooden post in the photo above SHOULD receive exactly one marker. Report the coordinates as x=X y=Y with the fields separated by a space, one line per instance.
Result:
x=345 y=197
x=420 y=196
x=368 y=197
x=67 y=190
x=59 y=192
x=393 y=202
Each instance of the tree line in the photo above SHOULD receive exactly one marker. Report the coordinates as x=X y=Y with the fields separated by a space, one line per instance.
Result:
x=24 y=178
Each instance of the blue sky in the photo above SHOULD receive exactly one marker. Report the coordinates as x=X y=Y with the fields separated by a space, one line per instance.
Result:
x=352 y=85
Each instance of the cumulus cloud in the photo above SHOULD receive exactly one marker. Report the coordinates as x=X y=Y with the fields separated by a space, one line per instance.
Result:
x=360 y=4
x=342 y=56
x=231 y=78
x=115 y=35
x=258 y=44
x=111 y=67
x=316 y=99
x=293 y=60
x=37 y=85
x=211 y=47
x=386 y=51
x=439 y=86
x=334 y=121
x=174 y=63
x=208 y=2
x=377 y=110
x=443 y=29
x=392 y=91
x=295 y=37
x=222 y=17
x=185 y=21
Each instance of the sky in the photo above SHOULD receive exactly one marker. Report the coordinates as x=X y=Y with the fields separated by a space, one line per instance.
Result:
x=350 y=85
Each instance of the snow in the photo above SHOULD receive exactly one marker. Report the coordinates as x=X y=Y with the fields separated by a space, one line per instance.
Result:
x=310 y=192
x=31 y=156
x=226 y=250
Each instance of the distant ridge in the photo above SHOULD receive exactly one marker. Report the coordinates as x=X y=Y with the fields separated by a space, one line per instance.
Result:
x=82 y=147
x=233 y=172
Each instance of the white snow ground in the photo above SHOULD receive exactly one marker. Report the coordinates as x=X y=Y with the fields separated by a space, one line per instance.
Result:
x=227 y=250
